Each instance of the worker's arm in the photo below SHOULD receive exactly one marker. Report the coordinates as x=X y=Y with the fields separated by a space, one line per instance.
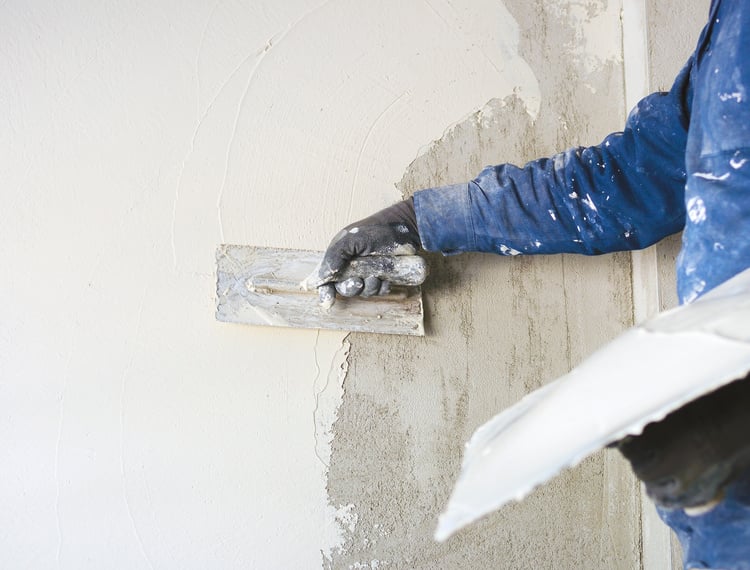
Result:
x=625 y=193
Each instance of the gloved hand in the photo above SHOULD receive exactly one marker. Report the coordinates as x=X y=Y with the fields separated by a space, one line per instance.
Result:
x=687 y=459
x=391 y=231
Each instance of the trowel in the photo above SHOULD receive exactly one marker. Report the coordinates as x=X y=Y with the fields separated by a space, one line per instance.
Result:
x=267 y=286
x=644 y=374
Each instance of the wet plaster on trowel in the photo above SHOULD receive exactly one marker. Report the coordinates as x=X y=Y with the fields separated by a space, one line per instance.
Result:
x=498 y=327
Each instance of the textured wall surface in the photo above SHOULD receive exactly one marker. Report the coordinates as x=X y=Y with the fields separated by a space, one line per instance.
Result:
x=500 y=327
x=135 y=431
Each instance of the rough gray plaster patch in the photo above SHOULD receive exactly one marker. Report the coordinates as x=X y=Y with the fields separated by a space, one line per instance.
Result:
x=497 y=328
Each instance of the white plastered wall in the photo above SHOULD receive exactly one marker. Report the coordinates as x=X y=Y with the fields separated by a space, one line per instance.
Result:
x=135 y=431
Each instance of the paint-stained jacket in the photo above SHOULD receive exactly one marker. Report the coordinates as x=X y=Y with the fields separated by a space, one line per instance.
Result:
x=682 y=161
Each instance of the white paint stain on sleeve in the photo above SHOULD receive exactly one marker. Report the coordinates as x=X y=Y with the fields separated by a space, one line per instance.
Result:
x=737 y=163
x=696 y=210
x=711 y=175
x=505 y=250
x=589 y=203
x=735 y=96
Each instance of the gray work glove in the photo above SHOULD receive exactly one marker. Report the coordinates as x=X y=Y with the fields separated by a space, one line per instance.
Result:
x=687 y=459
x=391 y=231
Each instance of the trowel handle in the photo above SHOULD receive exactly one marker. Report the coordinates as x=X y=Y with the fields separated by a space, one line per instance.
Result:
x=402 y=270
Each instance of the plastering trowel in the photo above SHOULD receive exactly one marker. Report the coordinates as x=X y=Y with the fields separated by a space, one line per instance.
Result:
x=266 y=286
x=640 y=377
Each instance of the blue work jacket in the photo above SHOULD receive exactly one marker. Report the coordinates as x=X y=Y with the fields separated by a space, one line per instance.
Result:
x=681 y=162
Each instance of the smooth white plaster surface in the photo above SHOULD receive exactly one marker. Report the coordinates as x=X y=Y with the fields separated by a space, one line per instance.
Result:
x=136 y=432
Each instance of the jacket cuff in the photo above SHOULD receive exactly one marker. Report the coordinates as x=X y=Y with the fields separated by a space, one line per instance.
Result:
x=444 y=219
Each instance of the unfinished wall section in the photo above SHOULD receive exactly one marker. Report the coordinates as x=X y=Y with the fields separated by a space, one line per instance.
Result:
x=498 y=328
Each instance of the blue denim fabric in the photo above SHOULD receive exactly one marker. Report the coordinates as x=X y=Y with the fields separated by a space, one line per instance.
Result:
x=719 y=539
x=682 y=161
x=626 y=193
x=716 y=240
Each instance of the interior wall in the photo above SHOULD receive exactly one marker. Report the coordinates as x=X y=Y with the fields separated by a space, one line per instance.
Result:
x=499 y=328
x=137 y=432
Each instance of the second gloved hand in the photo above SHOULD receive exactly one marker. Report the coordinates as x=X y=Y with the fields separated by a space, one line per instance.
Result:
x=688 y=458
x=391 y=231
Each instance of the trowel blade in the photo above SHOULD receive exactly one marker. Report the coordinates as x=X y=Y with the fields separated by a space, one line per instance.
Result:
x=264 y=286
x=643 y=375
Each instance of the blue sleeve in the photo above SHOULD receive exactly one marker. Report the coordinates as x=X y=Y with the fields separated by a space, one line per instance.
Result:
x=626 y=193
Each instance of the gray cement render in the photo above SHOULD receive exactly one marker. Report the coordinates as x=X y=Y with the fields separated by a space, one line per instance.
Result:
x=497 y=328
